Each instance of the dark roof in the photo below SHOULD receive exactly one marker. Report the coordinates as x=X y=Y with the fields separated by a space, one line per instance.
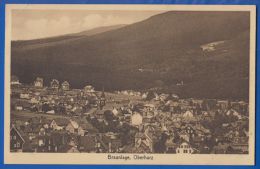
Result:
x=88 y=142
x=87 y=126
x=59 y=137
x=62 y=121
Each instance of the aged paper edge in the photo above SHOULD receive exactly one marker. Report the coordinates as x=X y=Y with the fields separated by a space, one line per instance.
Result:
x=159 y=159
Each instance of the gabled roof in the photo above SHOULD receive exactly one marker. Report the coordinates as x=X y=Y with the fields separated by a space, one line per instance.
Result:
x=18 y=132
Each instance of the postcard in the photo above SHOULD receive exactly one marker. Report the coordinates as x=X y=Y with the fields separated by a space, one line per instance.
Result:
x=130 y=84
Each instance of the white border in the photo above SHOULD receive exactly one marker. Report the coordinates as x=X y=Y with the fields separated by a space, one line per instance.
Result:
x=159 y=159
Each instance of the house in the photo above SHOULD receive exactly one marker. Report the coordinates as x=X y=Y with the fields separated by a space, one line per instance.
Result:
x=16 y=140
x=101 y=143
x=22 y=105
x=149 y=107
x=188 y=115
x=72 y=127
x=24 y=95
x=65 y=85
x=220 y=148
x=200 y=130
x=59 y=123
x=18 y=107
x=112 y=141
x=144 y=95
x=139 y=136
x=184 y=135
x=50 y=112
x=55 y=84
x=101 y=102
x=184 y=148
x=115 y=111
x=170 y=145
x=72 y=149
x=99 y=114
x=89 y=89
x=38 y=82
x=56 y=141
x=147 y=139
x=222 y=104
x=240 y=148
x=240 y=144
x=15 y=80
x=35 y=100
x=114 y=145
x=86 y=128
x=136 y=119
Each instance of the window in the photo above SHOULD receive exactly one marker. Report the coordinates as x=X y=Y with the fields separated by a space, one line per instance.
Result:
x=14 y=137
x=14 y=145
x=18 y=144
x=185 y=151
x=56 y=148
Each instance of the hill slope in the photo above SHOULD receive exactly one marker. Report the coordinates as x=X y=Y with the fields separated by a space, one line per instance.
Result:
x=157 y=52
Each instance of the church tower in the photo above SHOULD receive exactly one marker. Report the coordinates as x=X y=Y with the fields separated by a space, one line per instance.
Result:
x=102 y=100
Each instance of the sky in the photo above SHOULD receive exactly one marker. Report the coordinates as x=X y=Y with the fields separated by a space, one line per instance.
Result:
x=35 y=24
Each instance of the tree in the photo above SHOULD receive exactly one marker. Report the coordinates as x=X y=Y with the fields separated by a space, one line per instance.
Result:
x=109 y=116
x=160 y=147
x=45 y=107
x=125 y=134
x=150 y=96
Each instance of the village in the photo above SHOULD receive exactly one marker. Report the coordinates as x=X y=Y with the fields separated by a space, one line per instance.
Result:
x=56 y=118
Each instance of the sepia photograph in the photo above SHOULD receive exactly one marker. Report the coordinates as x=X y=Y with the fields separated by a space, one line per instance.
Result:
x=130 y=84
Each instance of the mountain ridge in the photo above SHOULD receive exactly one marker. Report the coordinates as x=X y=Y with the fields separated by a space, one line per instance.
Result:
x=166 y=46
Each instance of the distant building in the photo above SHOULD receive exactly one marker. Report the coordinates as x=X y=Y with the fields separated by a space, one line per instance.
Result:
x=101 y=102
x=55 y=84
x=188 y=115
x=38 y=82
x=15 y=80
x=24 y=95
x=180 y=83
x=89 y=89
x=65 y=85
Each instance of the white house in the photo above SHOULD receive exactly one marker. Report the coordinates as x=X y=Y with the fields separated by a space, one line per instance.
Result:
x=136 y=119
x=38 y=82
x=72 y=127
x=184 y=148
